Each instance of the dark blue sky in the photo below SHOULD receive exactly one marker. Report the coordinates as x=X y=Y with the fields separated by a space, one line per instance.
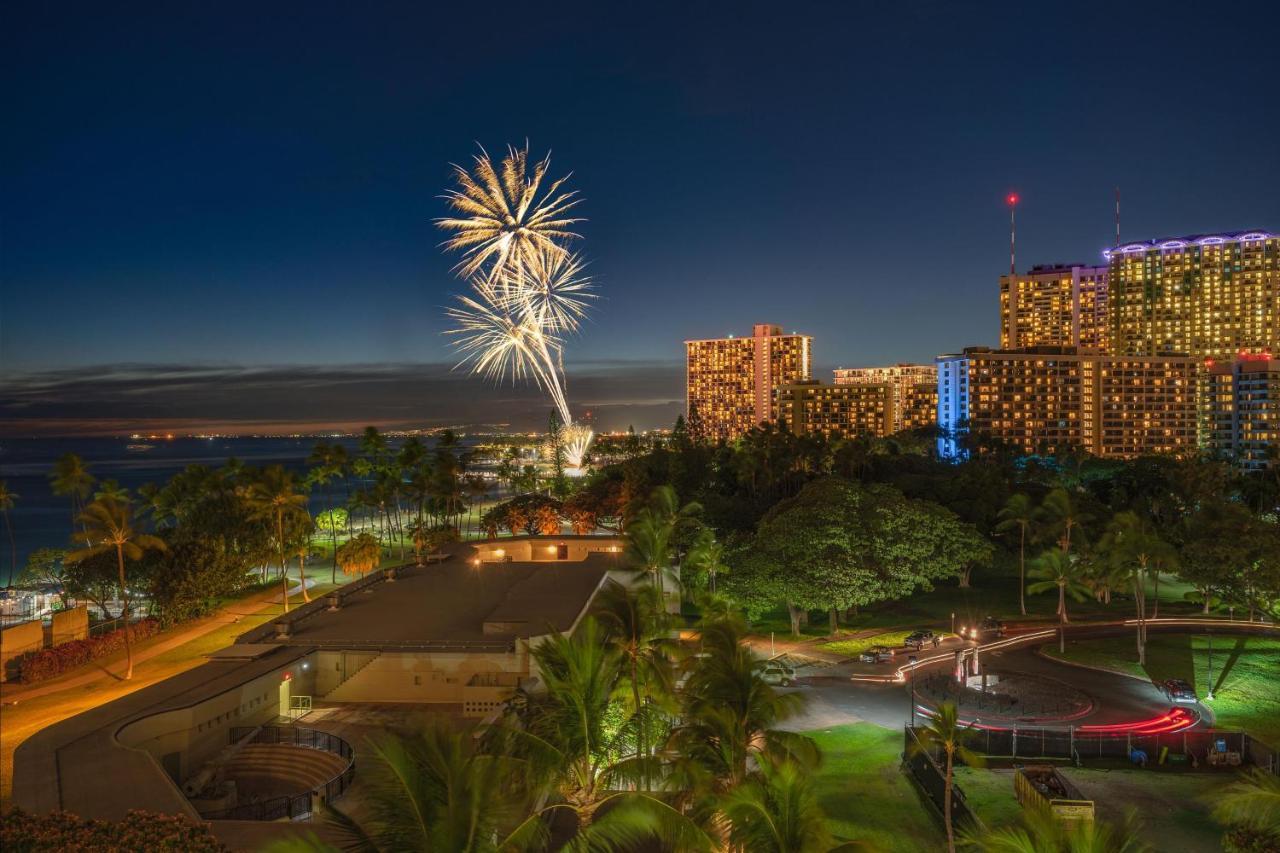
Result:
x=244 y=185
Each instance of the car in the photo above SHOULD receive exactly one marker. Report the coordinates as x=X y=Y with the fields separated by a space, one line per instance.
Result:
x=1179 y=691
x=876 y=654
x=778 y=673
x=989 y=627
x=919 y=639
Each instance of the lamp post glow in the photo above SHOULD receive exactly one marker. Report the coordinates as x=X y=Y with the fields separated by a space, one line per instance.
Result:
x=912 y=660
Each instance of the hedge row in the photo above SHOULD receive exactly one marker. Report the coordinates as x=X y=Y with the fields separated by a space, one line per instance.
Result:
x=23 y=832
x=48 y=663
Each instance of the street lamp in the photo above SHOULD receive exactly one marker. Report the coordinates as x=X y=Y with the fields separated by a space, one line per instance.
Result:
x=1209 y=697
x=912 y=660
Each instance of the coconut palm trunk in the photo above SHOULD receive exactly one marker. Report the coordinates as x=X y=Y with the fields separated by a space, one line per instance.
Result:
x=124 y=612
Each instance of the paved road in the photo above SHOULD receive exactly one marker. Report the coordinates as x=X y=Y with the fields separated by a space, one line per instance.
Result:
x=836 y=696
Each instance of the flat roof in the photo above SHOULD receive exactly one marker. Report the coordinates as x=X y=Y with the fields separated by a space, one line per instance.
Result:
x=450 y=602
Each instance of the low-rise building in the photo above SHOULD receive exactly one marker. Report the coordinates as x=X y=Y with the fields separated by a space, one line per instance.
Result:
x=913 y=390
x=835 y=411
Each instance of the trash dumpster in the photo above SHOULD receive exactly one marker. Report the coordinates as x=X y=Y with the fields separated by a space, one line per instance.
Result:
x=1043 y=787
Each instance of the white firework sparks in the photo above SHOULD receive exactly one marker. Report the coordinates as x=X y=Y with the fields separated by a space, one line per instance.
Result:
x=527 y=289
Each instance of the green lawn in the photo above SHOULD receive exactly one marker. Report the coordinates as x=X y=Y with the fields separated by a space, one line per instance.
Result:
x=990 y=794
x=1171 y=806
x=994 y=592
x=867 y=796
x=1246 y=672
x=852 y=647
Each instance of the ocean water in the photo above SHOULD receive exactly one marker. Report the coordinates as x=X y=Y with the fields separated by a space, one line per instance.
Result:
x=42 y=519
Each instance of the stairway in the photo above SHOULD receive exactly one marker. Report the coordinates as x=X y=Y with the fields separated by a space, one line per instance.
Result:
x=353 y=663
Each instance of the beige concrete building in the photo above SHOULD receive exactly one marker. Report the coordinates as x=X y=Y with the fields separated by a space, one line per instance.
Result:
x=913 y=391
x=1056 y=399
x=1056 y=305
x=730 y=381
x=836 y=411
x=1208 y=296
x=452 y=637
x=1242 y=410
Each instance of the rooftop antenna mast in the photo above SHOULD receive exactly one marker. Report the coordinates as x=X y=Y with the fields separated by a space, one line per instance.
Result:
x=1117 y=216
x=1013 y=233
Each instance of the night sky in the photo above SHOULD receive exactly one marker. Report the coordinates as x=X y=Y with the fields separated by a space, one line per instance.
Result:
x=221 y=212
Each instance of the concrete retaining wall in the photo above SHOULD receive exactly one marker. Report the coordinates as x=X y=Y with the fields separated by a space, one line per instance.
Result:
x=70 y=625
x=17 y=641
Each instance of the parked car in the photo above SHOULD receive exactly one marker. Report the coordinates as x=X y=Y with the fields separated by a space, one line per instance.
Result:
x=778 y=673
x=876 y=654
x=919 y=639
x=1179 y=691
x=989 y=627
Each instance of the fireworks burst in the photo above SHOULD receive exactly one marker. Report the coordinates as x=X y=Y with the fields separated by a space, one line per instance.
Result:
x=528 y=290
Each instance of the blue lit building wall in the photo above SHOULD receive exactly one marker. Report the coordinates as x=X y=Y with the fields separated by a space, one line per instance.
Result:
x=953 y=402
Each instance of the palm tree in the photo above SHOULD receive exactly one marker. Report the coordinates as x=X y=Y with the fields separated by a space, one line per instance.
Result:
x=1131 y=545
x=574 y=757
x=435 y=790
x=111 y=489
x=1019 y=513
x=275 y=498
x=636 y=624
x=330 y=461
x=108 y=525
x=71 y=477
x=1043 y=832
x=730 y=714
x=1057 y=569
x=945 y=733
x=1251 y=802
x=1061 y=513
x=776 y=811
x=653 y=531
x=7 y=500
x=706 y=554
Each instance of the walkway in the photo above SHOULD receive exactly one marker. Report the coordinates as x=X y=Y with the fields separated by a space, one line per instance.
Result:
x=13 y=693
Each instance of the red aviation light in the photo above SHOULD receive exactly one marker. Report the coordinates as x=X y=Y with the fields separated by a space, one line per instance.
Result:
x=1012 y=199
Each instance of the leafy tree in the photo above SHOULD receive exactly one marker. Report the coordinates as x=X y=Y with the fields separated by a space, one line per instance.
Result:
x=45 y=567
x=191 y=576
x=108 y=526
x=359 y=555
x=1218 y=548
x=838 y=544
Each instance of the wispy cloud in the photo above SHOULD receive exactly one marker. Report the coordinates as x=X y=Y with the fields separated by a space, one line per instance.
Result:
x=112 y=399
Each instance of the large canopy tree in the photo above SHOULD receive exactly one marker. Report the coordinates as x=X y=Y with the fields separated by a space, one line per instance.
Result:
x=839 y=544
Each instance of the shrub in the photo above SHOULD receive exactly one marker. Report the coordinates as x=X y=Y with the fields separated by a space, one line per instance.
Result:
x=23 y=832
x=48 y=663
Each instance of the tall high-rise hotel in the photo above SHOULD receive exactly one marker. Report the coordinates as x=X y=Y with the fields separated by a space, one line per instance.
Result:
x=730 y=381
x=1126 y=358
x=1211 y=297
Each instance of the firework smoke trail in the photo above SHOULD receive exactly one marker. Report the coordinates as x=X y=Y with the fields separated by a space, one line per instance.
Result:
x=528 y=290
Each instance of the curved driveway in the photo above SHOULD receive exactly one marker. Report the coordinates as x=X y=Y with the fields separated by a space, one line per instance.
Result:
x=849 y=692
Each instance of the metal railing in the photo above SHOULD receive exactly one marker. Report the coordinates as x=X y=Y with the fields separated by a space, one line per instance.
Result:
x=296 y=806
x=920 y=764
x=1068 y=743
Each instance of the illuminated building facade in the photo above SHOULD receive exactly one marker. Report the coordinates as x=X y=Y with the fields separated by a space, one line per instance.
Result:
x=836 y=411
x=1054 y=399
x=731 y=380
x=1243 y=408
x=1210 y=296
x=914 y=390
x=1059 y=305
